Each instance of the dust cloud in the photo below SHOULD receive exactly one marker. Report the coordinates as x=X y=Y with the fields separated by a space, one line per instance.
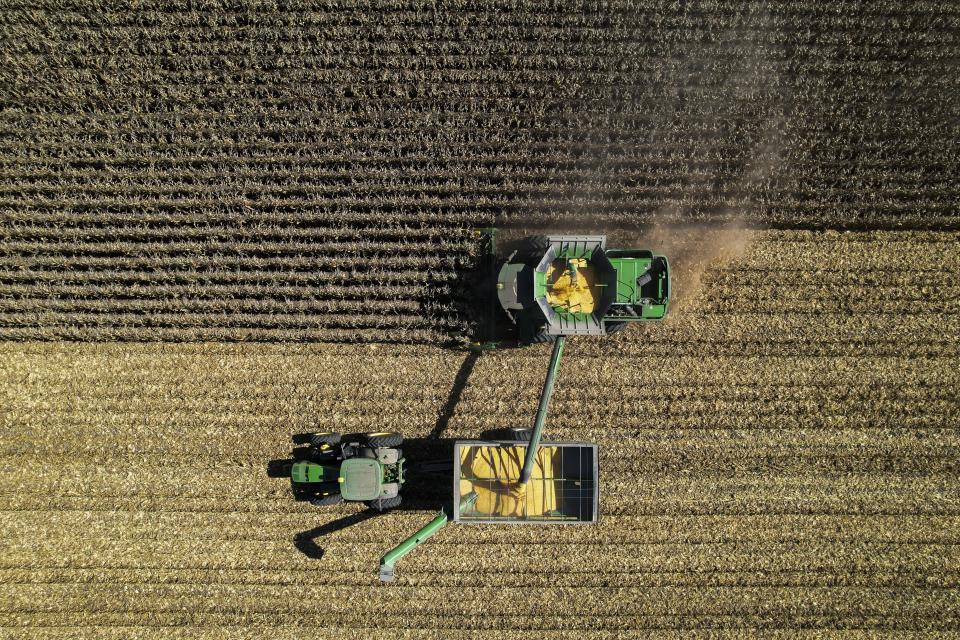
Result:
x=692 y=249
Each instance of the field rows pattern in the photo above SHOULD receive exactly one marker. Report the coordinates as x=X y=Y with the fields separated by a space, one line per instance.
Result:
x=806 y=483
x=224 y=222
x=210 y=151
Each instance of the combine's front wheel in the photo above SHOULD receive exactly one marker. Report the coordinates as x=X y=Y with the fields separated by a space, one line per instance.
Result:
x=613 y=327
x=534 y=247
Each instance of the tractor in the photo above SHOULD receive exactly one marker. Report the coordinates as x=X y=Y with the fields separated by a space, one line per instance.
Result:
x=357 y=468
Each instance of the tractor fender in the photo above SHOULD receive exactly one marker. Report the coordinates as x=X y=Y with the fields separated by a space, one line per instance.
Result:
x=387 y=456
x=390 y=490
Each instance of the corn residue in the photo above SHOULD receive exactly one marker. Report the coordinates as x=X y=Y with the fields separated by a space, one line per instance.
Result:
x=562 y=292
x=494 y=473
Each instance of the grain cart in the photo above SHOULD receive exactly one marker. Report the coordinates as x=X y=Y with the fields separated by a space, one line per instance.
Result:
x=570 y=285
x=361 y=468
x=562 y=489
x=516 y=480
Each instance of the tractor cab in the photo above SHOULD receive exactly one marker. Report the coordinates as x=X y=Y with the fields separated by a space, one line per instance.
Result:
x=361 y=479
x=360 y=468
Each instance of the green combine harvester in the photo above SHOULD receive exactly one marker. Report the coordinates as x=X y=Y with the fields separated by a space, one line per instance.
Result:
x=549 y=288
x=567 y=285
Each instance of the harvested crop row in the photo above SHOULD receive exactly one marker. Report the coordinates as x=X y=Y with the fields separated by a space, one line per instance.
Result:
x=811 y=482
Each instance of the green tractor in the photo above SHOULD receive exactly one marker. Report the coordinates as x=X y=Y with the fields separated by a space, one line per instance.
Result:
x=357 y=468
x=570 y=285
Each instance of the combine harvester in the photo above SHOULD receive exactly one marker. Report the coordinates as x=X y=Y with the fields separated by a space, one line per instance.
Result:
x=549 y=288
x=557 y=286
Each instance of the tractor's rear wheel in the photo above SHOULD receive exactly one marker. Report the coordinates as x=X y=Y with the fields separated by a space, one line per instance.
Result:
x=327 y=501
x=383 y=439
x=382 y=504
x=326 y=437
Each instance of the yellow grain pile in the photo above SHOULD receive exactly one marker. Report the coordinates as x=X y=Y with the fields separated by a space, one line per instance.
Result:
x=577 y=297
x=494 y=474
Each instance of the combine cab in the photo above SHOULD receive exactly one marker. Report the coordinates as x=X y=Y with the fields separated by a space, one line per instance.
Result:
x=574 y=285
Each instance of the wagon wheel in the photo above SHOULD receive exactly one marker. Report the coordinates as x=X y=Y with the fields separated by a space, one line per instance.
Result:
x=613 y=327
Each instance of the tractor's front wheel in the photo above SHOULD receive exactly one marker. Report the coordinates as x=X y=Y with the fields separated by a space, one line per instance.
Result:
x=383 y=439
x=382 y=504
x=327 y=501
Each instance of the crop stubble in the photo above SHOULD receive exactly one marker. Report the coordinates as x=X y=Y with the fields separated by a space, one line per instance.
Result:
x=764 y=465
